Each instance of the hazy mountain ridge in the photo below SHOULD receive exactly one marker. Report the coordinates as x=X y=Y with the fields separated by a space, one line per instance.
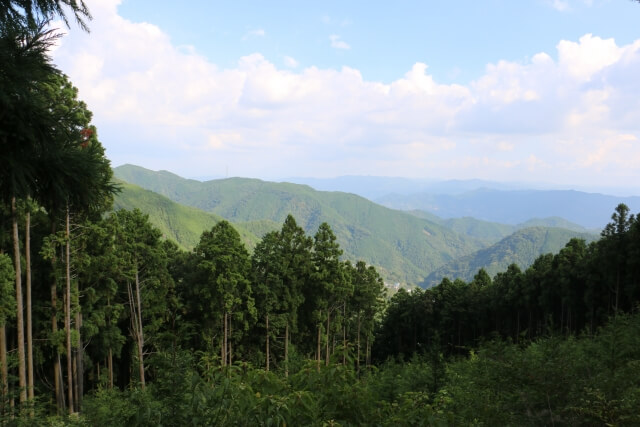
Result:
x=491 y=232
x=521 y=248
x=374 y=187
x=589 y=210
x=414 y=247
x=405 y=247
x=182 y=224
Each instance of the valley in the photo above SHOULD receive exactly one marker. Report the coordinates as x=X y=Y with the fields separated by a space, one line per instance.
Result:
x=408 y=247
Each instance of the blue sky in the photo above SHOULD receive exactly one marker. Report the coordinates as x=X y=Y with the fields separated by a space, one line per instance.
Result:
x=527 y=90
x=457 y=39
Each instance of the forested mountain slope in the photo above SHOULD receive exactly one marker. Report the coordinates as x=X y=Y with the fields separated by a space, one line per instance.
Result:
x=182 y=224
x=405 y=247
x=492 y=232
x=520 y=248
x=590 y=210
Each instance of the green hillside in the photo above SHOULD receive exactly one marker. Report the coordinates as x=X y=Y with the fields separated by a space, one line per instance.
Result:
x=407 y=248
x=182 y=224
x=521 y=248
x=492 y=232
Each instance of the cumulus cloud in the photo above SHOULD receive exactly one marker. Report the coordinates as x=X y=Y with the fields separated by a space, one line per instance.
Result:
x=290 y=62
x=254 y=33
x=559 y=5
x=336 y=43
x=567 y=5
x=572 y=114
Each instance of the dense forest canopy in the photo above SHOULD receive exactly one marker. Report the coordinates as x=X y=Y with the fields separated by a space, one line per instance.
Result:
x=105 y=322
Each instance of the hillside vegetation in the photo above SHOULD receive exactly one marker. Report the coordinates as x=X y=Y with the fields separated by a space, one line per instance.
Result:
x=520 y=248
x=405 y=247
x=182 y=224
x=491 y=232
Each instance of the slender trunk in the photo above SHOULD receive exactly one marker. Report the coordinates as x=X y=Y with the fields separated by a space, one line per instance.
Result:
x=267 y=320
x=368 y=353
x=358 y=357
x=110 y=354
x=27 y=251
x=140 y=332
x=230 y=339
x=5 y=370
x=344 y=333
x=110 y=367
x=326 y=358
x=57 y=367
x=318 y=350
x=74 y=364
x=79 y=364
x=226 y=342
x=67 y=310
x=222 y=349
x=22 y=377
x=286 y=349
x=617 y=290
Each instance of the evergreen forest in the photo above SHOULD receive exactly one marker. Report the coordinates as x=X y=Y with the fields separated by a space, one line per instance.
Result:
x=104 y=321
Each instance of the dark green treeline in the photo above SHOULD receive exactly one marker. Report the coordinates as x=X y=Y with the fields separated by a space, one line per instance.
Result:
x=576 y=290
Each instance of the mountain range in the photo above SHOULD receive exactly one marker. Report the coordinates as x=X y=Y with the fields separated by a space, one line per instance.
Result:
x=589 y=210
x=520 y=248
x=406 y=247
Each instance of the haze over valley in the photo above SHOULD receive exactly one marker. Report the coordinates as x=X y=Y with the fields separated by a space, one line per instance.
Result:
x=319 y=213
x=413 y=247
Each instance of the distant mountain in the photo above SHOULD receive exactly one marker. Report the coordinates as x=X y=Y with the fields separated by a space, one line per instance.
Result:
x=589 y=210
x=405 y=247
x=492 y=232
x=182 y=224
x=373 y=187
x=376 y=187
x=521 y=248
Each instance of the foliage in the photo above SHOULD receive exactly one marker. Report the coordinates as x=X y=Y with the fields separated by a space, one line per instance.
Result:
x=520 y=248
x=406 y=247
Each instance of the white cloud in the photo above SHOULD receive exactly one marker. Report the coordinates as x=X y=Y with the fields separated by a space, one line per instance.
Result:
x=290 y=62
x=336 y=43
x=254 y=33
x=569 y=5
x=560 y=5
x=169 y=107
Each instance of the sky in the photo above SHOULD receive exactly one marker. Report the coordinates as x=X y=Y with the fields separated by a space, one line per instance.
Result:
x=529 y=90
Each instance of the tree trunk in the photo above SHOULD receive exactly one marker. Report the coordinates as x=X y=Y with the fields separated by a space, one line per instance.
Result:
x=79 y=364
x=110 y=367
x=344 y=333
x=326 y=359
x=140 y=333
x=617 y=291
x=225 y=349
x=27 y=252
x=267 y=320
x=358 y=357
x=4 y=368
x=136 y=324
x=22 y=377
x=318 y=350
x=110 y=355
x=367 y=359
x=230 y=339
x=74 y=364
x=57 y=367
x=286 y=350
x=67 y=310
x=222 y=349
